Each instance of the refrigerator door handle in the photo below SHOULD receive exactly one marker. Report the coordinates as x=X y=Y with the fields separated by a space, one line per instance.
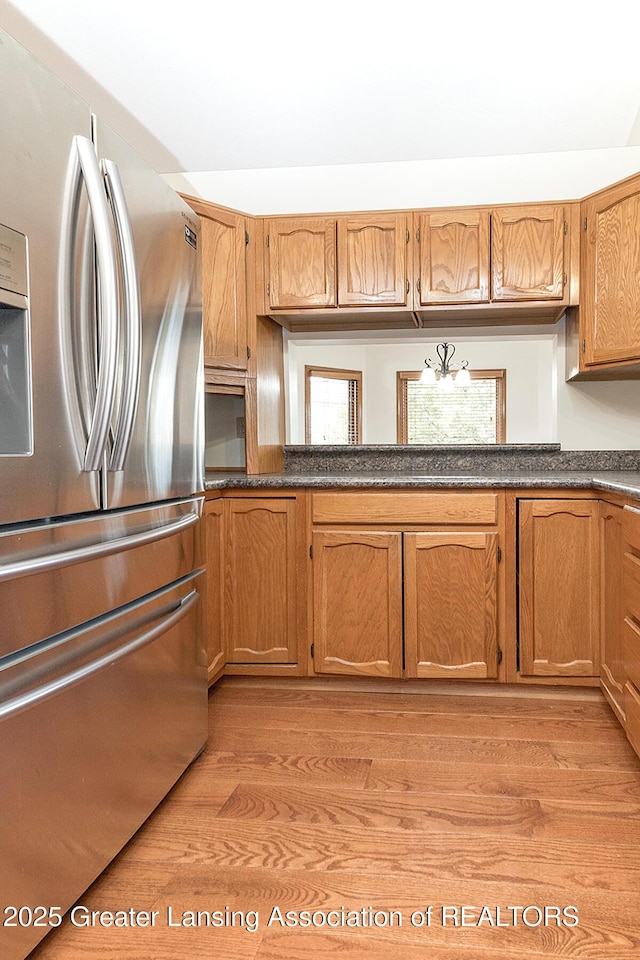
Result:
x=132 y=318
x=108 y=305
x=44 y=691
x=45 y=562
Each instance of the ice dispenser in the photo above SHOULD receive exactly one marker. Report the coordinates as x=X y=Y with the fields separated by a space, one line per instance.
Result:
x=16 y=433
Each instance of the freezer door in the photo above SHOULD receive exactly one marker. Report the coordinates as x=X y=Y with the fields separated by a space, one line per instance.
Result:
x=55 y=576
x=157 y=449
x=41 y=455
x=94 y=730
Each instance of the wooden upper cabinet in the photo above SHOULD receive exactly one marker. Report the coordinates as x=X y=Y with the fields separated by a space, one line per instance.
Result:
x=453 y=264
x=450 y=604
x=527 y=253
x=301 y=262
x=372 y=260
x=357 y=603
x=224 y=286
x=559 y=590
x=610 y=274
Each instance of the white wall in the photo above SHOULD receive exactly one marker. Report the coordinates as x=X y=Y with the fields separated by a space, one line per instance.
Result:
x=541 y=407
x=413 y=184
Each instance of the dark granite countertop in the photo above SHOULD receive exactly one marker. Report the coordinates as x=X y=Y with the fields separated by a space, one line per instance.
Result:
x=618 y=481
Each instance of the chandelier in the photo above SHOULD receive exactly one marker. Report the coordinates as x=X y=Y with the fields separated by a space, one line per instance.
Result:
x=443 y=372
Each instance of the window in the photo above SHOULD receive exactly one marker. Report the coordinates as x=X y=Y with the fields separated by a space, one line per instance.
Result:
x=471 y=414
x=333 y=404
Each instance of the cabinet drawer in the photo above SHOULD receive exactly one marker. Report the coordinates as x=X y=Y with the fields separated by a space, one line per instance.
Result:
x=423 y=508
x=632 y=651
x=632 y=710
x=631 y=527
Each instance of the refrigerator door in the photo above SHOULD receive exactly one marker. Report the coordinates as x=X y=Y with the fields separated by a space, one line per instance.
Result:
x=42 y=437
x=157 y=443
x=95 y=728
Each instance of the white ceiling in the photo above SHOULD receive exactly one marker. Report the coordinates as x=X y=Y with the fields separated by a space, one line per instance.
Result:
x=205 y=85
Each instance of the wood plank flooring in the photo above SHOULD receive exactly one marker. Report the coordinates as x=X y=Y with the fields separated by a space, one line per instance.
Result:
x=378 y=800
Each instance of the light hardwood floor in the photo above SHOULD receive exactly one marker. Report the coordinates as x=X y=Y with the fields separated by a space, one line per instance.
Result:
x=388 y=797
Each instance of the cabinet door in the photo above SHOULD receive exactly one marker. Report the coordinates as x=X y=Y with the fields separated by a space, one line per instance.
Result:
x=301 y=262
x=559 y=591
x=260 y=580
x=612 y=671
x=454 y=256
x=450 y=604
x=610 y=283
x=357 y=605
x=372 y=260
x=527 y=253
x=213 y=592
x=224 y=295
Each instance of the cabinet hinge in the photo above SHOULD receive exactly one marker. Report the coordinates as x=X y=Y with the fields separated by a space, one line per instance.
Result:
x=248 y=353
x=499 y=554
x=566 y=228
x=408 y=286
x=268 y=289
x=499 y=656
x=584 y=346
x=266 y=240
x=564 y=279
x=408 y=235
x=585 y=223
x=313 y=649
x=418 y=284
x=418 y=235
x=246 y=238
x=311 y=551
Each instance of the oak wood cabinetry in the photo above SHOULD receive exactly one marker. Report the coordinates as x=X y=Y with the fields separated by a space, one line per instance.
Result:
x=604 y=331
x=612 y=669
x=362 y=542
x=357 y=602
x=260 y=580
x=453 y=263
x=559 y=588
x=528 y=253
x=372 y=260
x=223 y=238
x=214 y=588
x=450 y=593
x=300 y=262
x=631 y=624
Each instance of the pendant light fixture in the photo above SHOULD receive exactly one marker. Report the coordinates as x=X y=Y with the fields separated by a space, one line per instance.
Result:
x=442 y=370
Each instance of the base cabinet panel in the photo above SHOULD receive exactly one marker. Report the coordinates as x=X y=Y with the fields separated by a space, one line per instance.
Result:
x=612 y=669
x=357 y=580
x=559 y=588
x=260 y=580
x=450 y=603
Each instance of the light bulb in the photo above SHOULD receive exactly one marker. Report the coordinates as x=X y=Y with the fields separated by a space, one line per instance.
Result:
x=447 y=383
x=428 y=375
x=463 y=377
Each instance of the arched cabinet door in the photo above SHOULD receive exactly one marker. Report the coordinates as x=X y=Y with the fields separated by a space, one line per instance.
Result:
x=527 y=253
x=559 y=592
x=451 y=604
x=300 y=262
x=357 y=603
x=373 y=260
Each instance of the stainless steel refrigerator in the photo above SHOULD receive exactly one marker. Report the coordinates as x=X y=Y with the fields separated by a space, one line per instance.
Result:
x=102 y=665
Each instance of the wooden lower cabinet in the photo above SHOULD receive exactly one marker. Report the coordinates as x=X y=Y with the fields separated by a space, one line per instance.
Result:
x=357 y=603
x=559 y=588
x=213 y=589
x=612 y=669
x=450 y=603
x=448 y=597
x=260 y=578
